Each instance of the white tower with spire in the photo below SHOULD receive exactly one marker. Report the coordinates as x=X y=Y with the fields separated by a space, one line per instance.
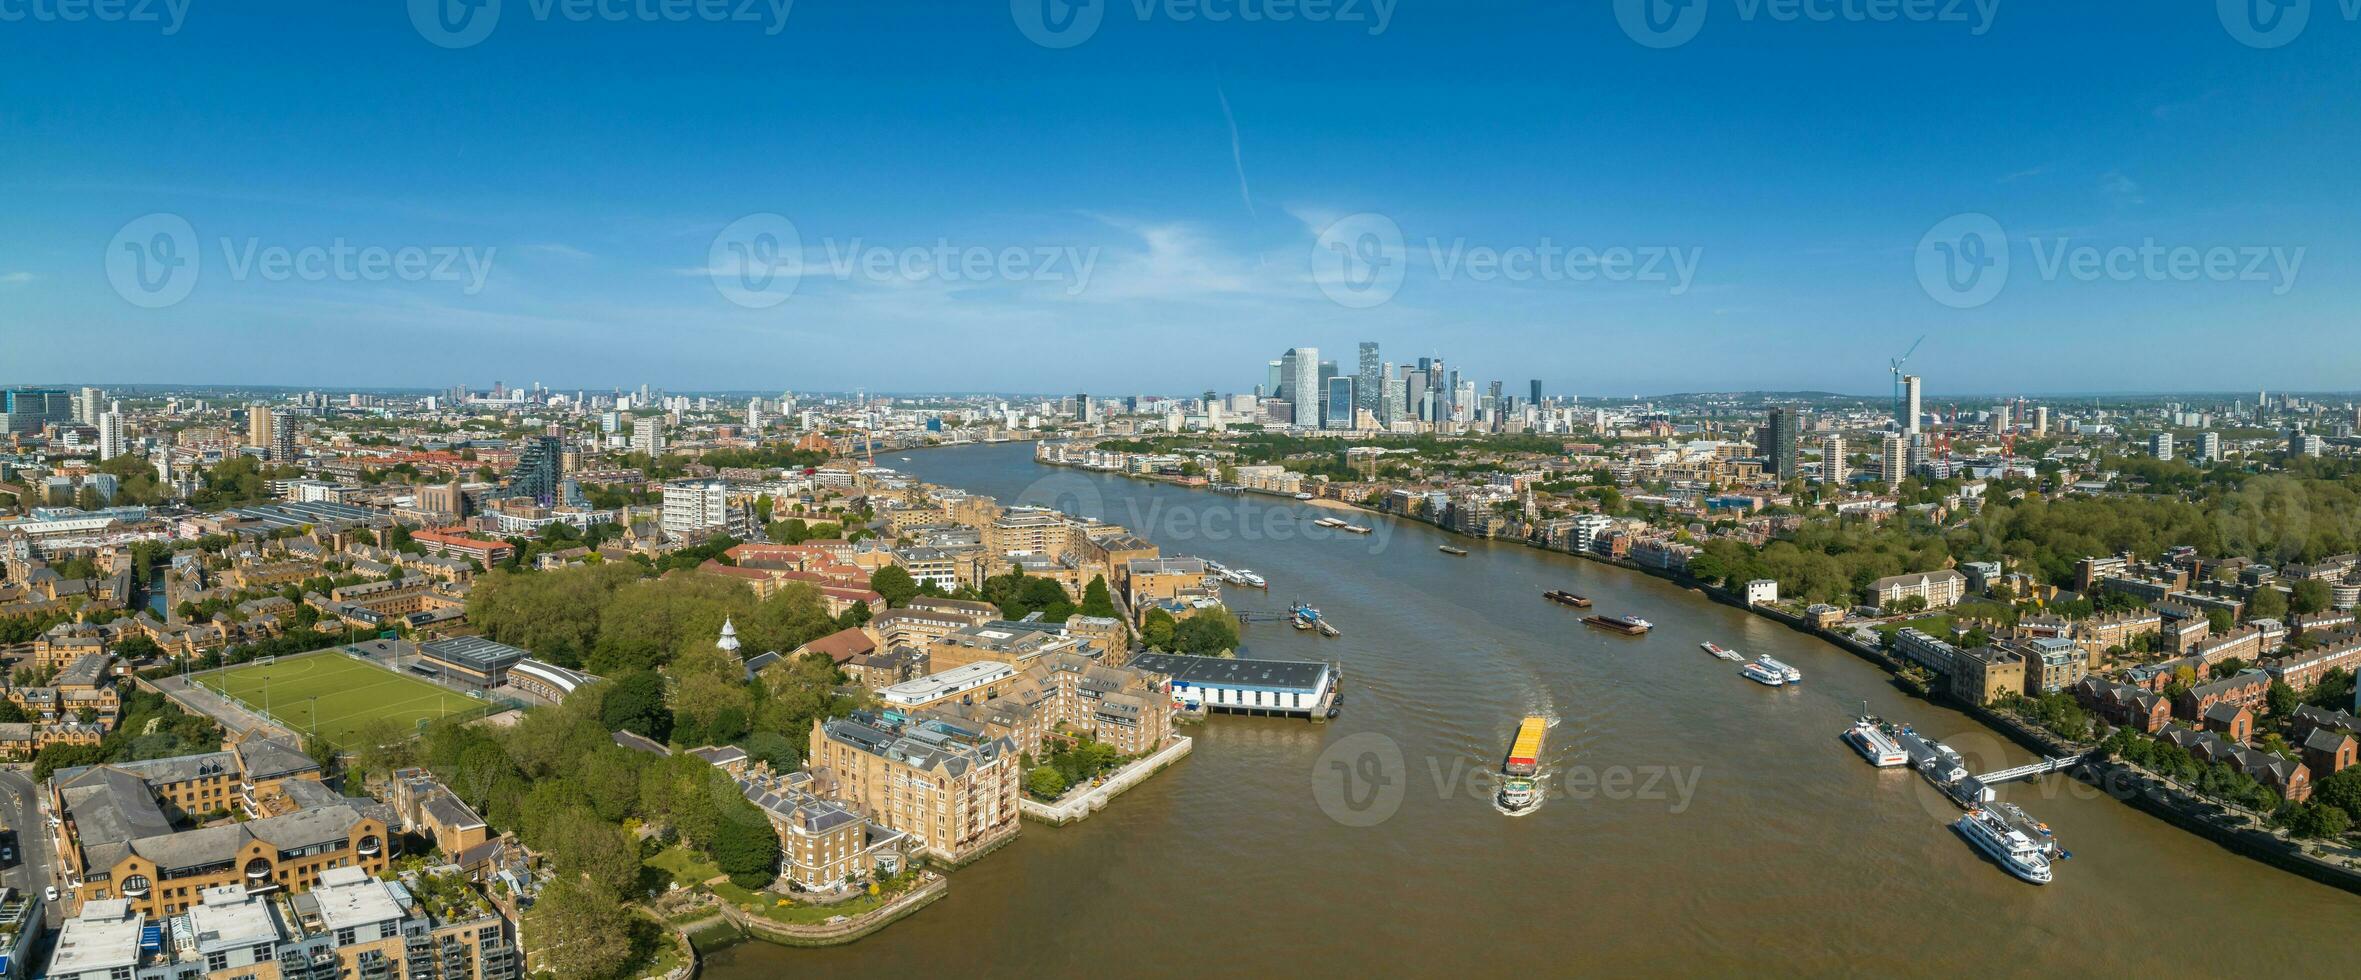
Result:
x=729 y=637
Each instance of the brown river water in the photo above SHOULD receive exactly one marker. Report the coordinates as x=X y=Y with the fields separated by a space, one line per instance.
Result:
x=1696 y=823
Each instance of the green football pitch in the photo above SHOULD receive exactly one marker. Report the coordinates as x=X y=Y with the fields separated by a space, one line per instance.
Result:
x=335 y=694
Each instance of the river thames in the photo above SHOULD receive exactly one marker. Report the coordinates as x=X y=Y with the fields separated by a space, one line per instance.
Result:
x=1697 y=823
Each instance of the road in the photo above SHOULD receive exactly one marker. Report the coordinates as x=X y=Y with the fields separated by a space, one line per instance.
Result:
x=36 y=859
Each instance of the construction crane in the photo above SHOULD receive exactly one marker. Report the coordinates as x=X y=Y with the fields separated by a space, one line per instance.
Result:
x=1895 y=365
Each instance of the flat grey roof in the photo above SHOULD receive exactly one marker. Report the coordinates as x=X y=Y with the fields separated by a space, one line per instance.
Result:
x=1296 y=675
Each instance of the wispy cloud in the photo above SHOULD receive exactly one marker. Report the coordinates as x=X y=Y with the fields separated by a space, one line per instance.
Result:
x=2121 y=189
x=16 y=278
x=1237 y=149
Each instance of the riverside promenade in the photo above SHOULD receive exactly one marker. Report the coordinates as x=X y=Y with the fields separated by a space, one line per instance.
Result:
x=1080 y=803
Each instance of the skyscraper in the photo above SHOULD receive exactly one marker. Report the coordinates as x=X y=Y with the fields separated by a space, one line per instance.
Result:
x=2209 y=447
x=540 y=467
x=647 y=436
x=1303 y=386
x=1832 y=461
x=1369 y=384
x=1536 y=395
x=2160 y=445
x=258 y=427
x=110 y=435
x=1340 y=402
x=1891 y=461
x=1274 y=380
x=282 y=444
x=1781 y=434
x=1910 y=409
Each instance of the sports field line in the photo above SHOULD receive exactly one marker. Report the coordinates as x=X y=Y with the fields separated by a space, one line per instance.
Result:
x=393 y=710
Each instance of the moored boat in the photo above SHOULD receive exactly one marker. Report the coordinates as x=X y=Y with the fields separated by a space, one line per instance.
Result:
x=1354 y=529
x=1877 y=740
x=1564 y=598
x=1761 y=675
x=1721 y=651
x=1786 y=673
x=1449 y=550
x=2005 y=834
x=1626 y=625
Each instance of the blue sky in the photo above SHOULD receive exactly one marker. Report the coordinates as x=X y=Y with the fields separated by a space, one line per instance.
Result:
x=567 y=187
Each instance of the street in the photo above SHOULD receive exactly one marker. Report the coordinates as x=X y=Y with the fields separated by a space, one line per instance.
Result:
x=20 y=807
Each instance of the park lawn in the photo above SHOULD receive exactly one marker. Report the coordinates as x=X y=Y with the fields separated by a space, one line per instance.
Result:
x=335 y=694
x=1937 y=626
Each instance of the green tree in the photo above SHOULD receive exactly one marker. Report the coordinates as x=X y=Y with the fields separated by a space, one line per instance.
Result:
x=2267 y=603
x=2281 y=699
x=1095 y=599
x=1045 y=782
x=1208 y=632
x=583 y=929
x=635 y=703
x=895 y=584
x=2311 y=595
x=744 y=845
x=1156 y=629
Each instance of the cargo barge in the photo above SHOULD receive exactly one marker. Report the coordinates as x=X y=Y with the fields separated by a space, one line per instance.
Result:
x=1524 y=754
x=1564 y=598
x=1626 y=625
